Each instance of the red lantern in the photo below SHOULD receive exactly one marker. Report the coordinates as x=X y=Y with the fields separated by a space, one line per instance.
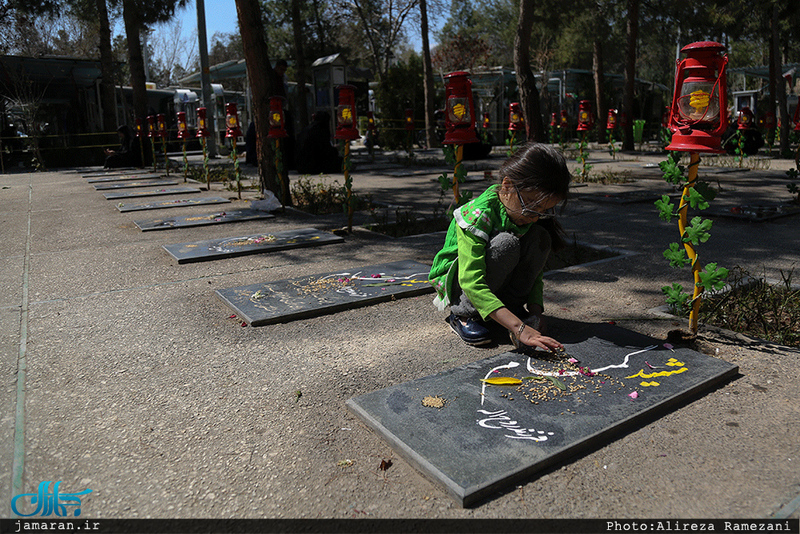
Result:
x=162 y=126
x=746 y=119
x=797 y=118
x=698 y=114
x=564 y=118
x=585 y=116
x=769 y=120
x=151 y=126
x=611 y=120
x=409 y=120
x=232 y=121
x=183 y=131
x=553 y=120
x=459 y=115
x=139 y=131
x=202 y=127
x=516 y=121
x=277 y=120
x=346 y=114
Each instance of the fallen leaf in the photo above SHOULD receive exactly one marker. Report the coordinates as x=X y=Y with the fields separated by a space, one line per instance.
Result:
x=385 y=465
x=558 y=383
x=502 y=381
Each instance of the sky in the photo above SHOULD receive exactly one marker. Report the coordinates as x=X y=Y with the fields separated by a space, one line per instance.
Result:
x=220 y=17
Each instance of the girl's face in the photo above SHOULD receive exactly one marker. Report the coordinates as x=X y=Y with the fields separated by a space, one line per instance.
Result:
x=522 y=206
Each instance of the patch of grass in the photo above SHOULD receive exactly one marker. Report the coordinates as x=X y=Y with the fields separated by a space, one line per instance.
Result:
x=406 y=223
x=606 y=177
x=320 y=196
x=756 y=308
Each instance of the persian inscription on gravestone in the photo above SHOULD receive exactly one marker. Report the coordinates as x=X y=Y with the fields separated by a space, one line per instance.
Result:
x=513 y=415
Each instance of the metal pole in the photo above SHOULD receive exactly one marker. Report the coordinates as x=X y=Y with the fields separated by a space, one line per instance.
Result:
x=694 y=162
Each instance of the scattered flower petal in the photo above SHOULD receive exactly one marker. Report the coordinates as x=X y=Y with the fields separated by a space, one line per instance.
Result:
x=572 y=360
x=634 y=394
x=376 y=276
x=668 y=346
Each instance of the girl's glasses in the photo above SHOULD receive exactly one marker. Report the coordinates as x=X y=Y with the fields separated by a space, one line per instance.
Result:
x=527 y=212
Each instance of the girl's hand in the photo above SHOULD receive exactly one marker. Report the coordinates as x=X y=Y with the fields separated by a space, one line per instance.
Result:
x=525 y=334
x=533 y=338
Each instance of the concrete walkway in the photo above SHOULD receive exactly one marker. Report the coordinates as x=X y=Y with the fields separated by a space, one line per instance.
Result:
x=124 y=374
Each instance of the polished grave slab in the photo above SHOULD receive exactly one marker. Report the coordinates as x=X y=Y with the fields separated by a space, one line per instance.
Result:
x=187 y=221
x=122 y=207
x=134 y=185
x=229 y=247
x=321 y=294
x=114 y=172
x=150 y=192
x=476 y=439
x=122 y=178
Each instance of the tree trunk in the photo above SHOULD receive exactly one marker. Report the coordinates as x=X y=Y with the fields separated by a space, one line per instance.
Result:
x=526 y=81
x=630 y=70
x=780 y=84
x=300 y=63
x=427 y=81
x=107 y=83
x=133 y=25
x=262 y=80
x=599 y=84
x=774 y=74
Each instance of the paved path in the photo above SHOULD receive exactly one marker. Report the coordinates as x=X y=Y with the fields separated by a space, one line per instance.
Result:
x=137 y=383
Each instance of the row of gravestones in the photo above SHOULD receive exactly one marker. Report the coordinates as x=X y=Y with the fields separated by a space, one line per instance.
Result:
x=478 y=428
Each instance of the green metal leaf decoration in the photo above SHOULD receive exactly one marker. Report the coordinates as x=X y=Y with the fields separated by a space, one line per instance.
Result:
x=713 y=277
x=676 y=255
x=697 y=200
x=666 y=208
x=698 y=232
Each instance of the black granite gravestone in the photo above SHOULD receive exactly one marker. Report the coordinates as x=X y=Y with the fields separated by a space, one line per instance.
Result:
x=150 y=193
x=321 y=294
x=186 y=221
x=229 y=247
x=756 y=212
x=475 y=438
x=116 y=172
x=172 y=203
x=122 y=178
x=133 y=185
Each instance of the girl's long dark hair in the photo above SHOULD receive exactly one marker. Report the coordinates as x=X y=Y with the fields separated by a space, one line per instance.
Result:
x=543 y=169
